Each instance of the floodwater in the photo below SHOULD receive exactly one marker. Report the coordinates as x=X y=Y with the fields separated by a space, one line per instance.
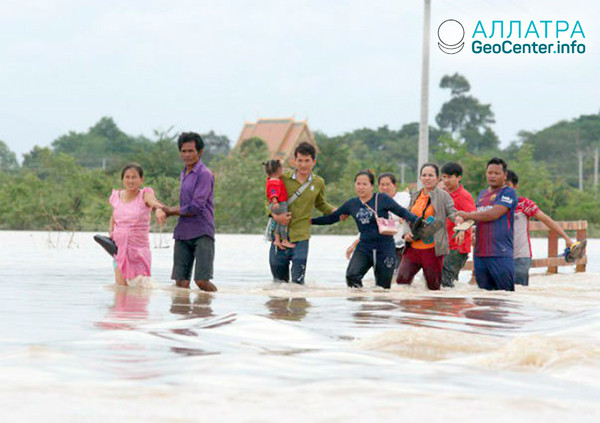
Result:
x=74 y=347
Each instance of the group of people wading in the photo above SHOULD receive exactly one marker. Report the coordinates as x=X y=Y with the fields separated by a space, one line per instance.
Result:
x=400 y=233
x=426 y=238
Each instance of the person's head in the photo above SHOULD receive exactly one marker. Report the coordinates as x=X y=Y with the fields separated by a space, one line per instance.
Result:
x=451 y=176
x=273 y=168
x=429 y=175
x=190 y=146
x=387 y=184
x=305 y=156
x=363 y=183
x=132 y=176
x=496 y=172
x=512 y=179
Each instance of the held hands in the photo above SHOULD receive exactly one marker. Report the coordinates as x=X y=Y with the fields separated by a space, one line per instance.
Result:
x=458 y=220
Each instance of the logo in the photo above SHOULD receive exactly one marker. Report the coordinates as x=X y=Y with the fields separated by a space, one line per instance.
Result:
x=364 y=216
x=450 y=35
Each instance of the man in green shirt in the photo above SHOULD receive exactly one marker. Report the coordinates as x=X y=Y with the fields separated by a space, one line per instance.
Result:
x=299 y=214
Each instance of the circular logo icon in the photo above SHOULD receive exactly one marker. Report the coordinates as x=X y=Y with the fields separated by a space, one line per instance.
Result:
x=450 y=35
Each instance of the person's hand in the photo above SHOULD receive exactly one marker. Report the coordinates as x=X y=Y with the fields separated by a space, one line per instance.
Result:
x=569 y=242
x=349 y=251
x=283 y=219
x=458 y=220
x=408 y=237
x=161 y=216
x=343 y=217
x=275 y=205
x=460 y=237
x=167 y=210
x=463 y=215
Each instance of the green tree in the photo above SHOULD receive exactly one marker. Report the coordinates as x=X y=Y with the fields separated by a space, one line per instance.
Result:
x=240 y=189
x=464 y=116
x=558 y=145
x=215 y=147
x=8 y=159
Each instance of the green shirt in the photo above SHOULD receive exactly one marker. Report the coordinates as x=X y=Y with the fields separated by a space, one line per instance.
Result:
x=303 y=206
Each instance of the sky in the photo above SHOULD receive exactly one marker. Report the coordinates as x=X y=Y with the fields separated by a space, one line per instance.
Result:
x=212 y=65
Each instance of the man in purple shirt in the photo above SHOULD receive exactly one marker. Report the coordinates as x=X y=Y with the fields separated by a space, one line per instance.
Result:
x=195 y=231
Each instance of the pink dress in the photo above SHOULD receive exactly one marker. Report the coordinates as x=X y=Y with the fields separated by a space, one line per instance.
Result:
x=130 y=233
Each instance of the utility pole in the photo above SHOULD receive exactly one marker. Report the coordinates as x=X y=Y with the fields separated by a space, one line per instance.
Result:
x=580 y=160
x=424 y=122
x=596 y=171
x=402 y=168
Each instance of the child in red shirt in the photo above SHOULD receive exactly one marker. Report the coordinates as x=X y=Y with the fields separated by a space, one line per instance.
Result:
x=277 y=196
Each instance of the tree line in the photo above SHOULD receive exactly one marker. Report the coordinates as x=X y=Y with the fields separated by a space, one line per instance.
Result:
x=66 y=186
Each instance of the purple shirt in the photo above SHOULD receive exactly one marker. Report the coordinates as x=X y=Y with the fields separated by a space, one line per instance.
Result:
x=196 y=200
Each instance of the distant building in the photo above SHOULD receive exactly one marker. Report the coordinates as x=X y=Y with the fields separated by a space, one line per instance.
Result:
x=281 y=135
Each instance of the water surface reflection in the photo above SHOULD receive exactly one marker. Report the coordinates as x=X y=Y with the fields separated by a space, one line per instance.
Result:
x=481 y=315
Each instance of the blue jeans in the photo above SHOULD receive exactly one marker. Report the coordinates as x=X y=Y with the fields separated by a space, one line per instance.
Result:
x=522 y=266
x=279 y=260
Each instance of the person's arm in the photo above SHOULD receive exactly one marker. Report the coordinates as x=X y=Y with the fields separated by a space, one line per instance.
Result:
x=450 y=210
x=549 y=222
x=272 y=195
x=157 y=206
x=400 y=211
x=489 y=215
x=351 y=248
x=321 y=204
x=111 y=226
x=202 y=191
x=332 y=217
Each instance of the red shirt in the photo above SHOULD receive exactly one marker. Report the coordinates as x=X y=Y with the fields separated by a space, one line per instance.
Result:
x=276 y=189
x=462 y=201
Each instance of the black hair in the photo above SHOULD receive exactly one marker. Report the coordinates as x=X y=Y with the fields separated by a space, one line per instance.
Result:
x=135 y=166
x=497 y=161
x=190 y=137
x=452 y=168
x=306 y=149
x=387 y=175
x=271 y=166
x=367 y=173
x=433 y=165
x=512 y=177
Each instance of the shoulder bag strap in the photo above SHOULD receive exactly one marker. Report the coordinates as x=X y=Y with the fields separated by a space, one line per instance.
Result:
x=299 y=191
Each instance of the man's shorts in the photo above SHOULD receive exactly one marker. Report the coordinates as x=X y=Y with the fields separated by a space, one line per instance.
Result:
x=522 y=266
x=202 y=250
x=495 y=273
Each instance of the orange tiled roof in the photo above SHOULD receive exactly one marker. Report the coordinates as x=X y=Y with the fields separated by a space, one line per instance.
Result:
x=281 y=135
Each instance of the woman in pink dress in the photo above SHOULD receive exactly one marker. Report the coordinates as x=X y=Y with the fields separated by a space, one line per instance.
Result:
x=130 y=224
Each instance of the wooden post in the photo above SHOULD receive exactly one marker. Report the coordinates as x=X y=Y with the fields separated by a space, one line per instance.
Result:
x=581 y=234
x=552 y=249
